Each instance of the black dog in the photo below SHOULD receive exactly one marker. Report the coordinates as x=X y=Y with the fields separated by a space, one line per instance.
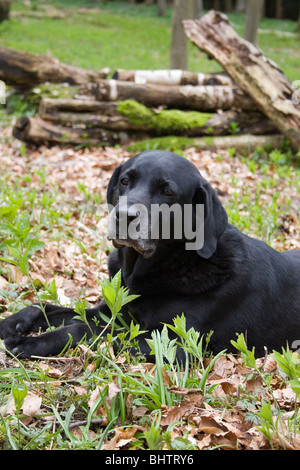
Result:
x=229 y=284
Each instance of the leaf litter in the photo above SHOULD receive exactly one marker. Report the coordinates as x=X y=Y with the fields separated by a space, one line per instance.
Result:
x=76 y=258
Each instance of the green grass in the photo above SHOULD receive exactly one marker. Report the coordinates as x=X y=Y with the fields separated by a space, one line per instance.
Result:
x=131 y=37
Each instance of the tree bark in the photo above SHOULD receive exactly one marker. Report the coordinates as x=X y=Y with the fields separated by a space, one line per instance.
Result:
x=26 y=70
x=4 y=9
x=278 y=9
x=51 y=106
x=198 y=9
x=179 y=46
x=240 y=6
x=37 y=131
x=161 y=7
x=200 y=98
x=253 y=16
x=228 y=5
x=241 y=143
x=253 y=123
x=217 y=5
x=250 y=69
x=94 y=114
x=68 y=112
x=172 y=77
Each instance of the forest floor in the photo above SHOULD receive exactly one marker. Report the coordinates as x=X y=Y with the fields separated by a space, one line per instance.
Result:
x=88 y=398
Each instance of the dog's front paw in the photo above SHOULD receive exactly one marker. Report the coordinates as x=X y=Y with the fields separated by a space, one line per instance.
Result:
x=19 y=346
x=19 y=323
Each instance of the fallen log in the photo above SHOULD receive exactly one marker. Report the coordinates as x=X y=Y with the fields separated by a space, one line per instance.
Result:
x=241 y=143
x=90 y=112
x=50 y=106
x=130 y=115
x=117 y=122
x=258 y=76
x=201 y=98
x=35 y=130
x=172 y=77
x=234 y=122
x=23 y=69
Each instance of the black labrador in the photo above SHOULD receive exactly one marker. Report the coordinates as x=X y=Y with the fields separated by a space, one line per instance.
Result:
x=223 y=281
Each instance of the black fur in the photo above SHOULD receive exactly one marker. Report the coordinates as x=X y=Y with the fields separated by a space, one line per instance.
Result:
x=233 y=284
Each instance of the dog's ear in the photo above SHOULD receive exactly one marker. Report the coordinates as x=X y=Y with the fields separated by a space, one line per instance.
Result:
x=215 y=218
x=112 y=193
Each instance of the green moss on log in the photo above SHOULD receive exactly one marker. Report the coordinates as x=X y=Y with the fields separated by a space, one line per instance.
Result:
x=162 y=121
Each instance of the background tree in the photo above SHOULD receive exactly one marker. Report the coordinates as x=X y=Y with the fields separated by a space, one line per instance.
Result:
x=179 y=44
x=240 y=6
x=4 y=10
x=161 y=7
x=278 y=9
x=228 y=5
x=254 y=12
x=198 y=9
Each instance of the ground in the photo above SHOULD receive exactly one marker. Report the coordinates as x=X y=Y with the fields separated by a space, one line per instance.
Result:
x=94 y=399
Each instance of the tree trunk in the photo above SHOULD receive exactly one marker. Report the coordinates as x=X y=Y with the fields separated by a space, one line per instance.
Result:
x=35 y=130
x=198 y=9
x=250 y=69
x=217 y=5
x=278 y=9
x=161 y=7
x=26 y=70
x=240 y=6
x=4 y=9
x=172 y=77
x=179 y=46
x=253 y=16
x=200 y=98
x=228 y=5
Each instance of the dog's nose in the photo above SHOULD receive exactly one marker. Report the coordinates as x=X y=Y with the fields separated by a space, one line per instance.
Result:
x=127 y=214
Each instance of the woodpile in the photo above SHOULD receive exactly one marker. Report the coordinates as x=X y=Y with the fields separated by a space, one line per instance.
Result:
x=248 y=105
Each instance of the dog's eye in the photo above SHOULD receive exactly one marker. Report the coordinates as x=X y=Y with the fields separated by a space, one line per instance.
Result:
x=124 y=181
x=168 y=192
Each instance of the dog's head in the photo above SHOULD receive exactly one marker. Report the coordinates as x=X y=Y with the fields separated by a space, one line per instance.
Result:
x=159 y=196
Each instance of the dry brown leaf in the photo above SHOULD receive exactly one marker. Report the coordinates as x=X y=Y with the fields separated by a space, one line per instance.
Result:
x=80 y=389
x=32 y=404
x=50 y=370
x=121 y=438
x=270 y=364
x=113 y=390
x=3 y=283
x=9 y=408
x=253 y=384
x=175 y=413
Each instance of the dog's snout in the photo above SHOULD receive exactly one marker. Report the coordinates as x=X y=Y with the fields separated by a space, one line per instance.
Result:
x=127 y=214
